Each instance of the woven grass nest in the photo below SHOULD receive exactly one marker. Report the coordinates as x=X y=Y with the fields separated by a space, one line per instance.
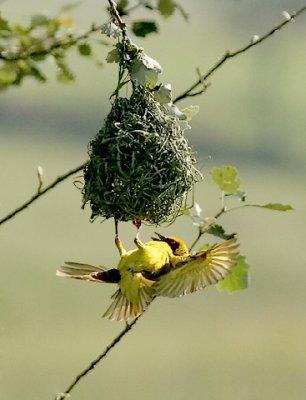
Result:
x=140 y=165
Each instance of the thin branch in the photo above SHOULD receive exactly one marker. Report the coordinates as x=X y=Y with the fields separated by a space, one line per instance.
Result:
x=114 y=12
x=95 y=362
x=66 y=43
x=204 y=229
x=224 y=210
x=195 y=242
x=41 y=192
x=256 y=41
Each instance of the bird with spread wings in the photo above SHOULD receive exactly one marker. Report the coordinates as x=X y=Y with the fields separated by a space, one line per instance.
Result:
x=161 y=267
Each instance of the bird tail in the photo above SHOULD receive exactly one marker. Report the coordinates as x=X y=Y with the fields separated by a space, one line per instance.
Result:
x=88 y=272
x=123 y=309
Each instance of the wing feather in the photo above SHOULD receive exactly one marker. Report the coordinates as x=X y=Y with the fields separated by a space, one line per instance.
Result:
x=198 y=271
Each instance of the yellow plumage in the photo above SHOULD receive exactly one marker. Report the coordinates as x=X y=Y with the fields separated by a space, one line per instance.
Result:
x=136 y=291
x=162 y=267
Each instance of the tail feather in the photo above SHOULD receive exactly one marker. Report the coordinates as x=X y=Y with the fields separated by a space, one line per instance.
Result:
x=123 y=309
x=88 y=272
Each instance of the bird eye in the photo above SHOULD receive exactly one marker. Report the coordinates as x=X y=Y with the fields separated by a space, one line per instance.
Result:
x=173 y=244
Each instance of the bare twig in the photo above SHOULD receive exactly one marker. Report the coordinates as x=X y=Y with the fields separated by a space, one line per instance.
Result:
x=95 y=362
x=41 y=192
x=256 y=41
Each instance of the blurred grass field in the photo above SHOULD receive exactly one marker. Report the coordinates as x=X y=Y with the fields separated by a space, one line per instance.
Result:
x=209 y=345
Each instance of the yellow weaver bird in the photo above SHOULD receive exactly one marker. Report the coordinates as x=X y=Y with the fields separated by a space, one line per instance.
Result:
x=161 y=267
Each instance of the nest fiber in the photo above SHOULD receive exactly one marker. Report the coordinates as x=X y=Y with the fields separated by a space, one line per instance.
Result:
x=140 y=166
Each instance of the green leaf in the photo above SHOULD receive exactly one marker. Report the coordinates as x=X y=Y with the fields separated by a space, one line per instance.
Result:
x=4 y=25
x=218 y=230
x=37 y=74
x=163 y=94
x=121 y=7
x=273 y=206
x=64 y=74
x=85 y=49
x=166 y=7
x=7 y=76
x=144 y=28
x=226 y=178
x=238 y=279
x=190 y=112
x=39 y=20
x=113 y=56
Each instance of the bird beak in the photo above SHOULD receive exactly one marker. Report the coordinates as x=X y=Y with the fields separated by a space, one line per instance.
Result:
x=160 y=237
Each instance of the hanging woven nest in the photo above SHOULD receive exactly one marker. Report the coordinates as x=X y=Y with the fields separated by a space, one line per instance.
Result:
x=140 y=165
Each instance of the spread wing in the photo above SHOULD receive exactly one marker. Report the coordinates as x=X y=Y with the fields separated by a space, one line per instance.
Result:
x=196 y=272
x=88 y=272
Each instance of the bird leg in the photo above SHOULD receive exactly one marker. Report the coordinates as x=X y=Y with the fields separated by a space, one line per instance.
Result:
x=119 y=246
x=118 y=242
x=137 y=241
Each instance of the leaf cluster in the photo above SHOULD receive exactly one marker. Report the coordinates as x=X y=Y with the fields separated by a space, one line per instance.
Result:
x=227 y=180
x=25 y=46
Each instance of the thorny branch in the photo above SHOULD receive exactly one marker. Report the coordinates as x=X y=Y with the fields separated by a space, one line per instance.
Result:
x=188 y=93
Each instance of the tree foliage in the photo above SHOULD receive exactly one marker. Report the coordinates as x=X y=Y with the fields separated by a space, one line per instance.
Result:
x=26 y=46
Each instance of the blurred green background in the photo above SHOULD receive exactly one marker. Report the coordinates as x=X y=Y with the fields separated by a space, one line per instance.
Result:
x=210 y=345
